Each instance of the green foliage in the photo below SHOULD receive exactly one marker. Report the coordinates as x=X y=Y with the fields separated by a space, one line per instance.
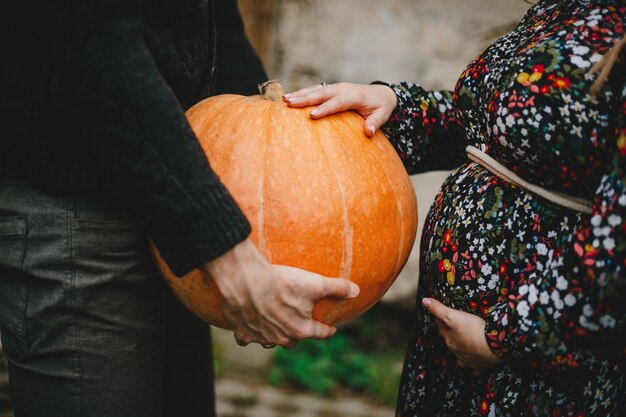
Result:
x=344 y=362
x=220 y=364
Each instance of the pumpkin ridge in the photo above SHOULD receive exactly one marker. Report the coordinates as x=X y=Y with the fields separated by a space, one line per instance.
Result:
x=266 y=139
x=372 y=154
x=346 y=145
x=399 y=211
x=408 y=219
x=348 y=230
x=371 y=158
x=231 y=118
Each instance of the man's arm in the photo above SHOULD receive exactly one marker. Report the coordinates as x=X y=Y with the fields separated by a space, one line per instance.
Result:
x=239 y=69
x=111 y=92
x=114 y=97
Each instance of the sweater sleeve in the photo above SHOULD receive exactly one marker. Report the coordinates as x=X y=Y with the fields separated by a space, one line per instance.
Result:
x=114 y=99
x=239 y=69
x=579 y=301
x=424 y=129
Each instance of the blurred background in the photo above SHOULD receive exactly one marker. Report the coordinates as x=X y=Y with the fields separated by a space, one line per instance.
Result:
x=302 y=43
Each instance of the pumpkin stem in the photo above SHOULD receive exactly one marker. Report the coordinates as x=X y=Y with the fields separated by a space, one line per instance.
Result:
x=271 y=90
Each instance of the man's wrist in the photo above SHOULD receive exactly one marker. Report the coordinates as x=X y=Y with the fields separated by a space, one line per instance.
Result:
x=231 y=264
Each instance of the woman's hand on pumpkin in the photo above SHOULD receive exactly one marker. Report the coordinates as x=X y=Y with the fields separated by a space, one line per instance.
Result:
x=464 y=334
x=374 y=102
x=272 y=304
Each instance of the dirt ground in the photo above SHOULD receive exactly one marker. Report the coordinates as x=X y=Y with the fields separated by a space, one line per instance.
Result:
x=240 y=398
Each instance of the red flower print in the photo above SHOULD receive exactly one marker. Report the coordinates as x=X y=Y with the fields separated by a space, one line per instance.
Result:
x=484 y=407
x=562 y=82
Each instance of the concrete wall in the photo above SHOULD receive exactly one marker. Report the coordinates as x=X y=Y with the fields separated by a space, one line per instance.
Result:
x=304 y=42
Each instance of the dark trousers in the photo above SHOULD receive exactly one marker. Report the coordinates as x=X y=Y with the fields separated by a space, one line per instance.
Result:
x=88 y=327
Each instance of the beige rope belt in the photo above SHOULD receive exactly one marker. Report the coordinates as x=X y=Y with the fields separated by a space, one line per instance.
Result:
x=496 y=168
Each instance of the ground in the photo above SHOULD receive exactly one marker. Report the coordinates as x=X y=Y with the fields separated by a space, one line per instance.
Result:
x=239 y=397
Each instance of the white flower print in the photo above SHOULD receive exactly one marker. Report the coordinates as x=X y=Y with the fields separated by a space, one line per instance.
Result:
x=523 y=308
x=608 y=243
x=542 y=249
x=614 y=220
x=569 y=300
x=607 y=321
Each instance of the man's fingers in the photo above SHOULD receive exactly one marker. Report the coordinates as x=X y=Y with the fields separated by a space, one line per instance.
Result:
x=320 y=330
x=291 y=344
x=438 y=310
x=312 y=287
x=334 y=287
x=240 y=341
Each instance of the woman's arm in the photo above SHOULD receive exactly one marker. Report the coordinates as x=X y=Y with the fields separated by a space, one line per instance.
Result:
x=424 y=129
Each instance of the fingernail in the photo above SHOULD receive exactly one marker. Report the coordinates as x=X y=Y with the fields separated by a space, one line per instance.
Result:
x=354 y=289
x=426 y=302
x=288 y=95
x=372 y=130
x=314 y=112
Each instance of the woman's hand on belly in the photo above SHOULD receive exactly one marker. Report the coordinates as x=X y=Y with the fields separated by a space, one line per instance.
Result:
x=464 y=334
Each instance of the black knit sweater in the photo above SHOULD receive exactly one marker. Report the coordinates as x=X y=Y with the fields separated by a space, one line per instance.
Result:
x=92 y=95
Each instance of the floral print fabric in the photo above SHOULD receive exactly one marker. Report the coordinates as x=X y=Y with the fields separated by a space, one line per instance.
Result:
x=549 y=282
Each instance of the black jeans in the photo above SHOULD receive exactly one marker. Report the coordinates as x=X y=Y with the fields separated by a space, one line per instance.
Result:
x=88 y=327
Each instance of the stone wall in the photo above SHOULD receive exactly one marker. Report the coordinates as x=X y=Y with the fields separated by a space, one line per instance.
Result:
x=304 y=42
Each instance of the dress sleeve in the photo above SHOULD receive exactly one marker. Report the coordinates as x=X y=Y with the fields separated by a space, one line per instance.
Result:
x=579 y=302
x=424 y=129
x=116 y=104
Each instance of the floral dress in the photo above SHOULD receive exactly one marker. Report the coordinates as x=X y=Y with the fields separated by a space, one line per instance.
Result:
x=549 y=282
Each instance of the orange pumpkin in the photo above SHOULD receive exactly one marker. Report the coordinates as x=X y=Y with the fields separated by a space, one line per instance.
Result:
x=319 y=194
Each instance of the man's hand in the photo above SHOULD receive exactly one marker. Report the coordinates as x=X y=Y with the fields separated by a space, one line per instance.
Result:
x=272 y=304
x=464 y=334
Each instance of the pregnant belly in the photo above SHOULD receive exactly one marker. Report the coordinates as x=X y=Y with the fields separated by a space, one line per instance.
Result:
x=483 y=237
